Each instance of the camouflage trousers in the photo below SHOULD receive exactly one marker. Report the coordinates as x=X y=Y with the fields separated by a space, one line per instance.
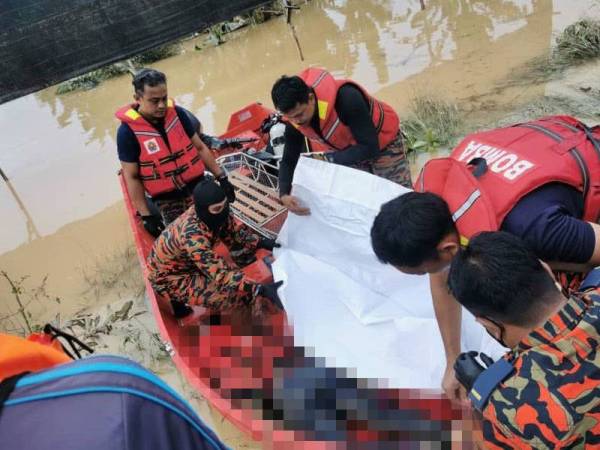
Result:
x=391 y=164
x=172 y=209
x=196 y=289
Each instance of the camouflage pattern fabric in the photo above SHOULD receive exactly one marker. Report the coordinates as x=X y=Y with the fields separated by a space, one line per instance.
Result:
x=552 y=401
x=183 y=265
x=172 y=209
x=570 y=281
x=391 y=164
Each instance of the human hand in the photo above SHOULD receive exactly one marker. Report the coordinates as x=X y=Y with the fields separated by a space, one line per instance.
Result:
x=269 y=290
x=467 y=368
x=153 y=224
x=452 y=387
x=232 y=143
x=321 y=156
x=294 y=205
x=268 y=244
x=227 y=188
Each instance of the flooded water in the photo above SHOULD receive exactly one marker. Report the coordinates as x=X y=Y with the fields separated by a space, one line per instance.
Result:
x=62 y=214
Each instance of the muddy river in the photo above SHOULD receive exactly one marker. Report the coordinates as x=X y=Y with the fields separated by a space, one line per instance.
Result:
x=63 y=226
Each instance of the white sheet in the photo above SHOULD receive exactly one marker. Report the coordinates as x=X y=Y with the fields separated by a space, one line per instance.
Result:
x=344 y=304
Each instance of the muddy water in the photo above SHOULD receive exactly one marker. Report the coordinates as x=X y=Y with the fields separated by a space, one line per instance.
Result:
x=62 y=216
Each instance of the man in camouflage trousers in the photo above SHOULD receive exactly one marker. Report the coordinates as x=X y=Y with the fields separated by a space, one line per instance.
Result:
x=545 y=392
x=185 y=269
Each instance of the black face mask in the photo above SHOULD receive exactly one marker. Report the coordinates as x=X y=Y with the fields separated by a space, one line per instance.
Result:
x=207 y=193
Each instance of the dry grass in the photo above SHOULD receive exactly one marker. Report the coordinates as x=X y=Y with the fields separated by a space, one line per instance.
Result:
x=578 y=42
x=118 y=272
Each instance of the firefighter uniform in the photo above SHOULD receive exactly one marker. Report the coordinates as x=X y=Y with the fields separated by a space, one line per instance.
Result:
x=184 y=266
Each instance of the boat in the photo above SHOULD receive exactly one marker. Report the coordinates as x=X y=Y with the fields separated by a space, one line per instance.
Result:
x=251 y=371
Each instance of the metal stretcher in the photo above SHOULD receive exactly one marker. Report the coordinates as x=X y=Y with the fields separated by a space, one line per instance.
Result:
x=256 y=182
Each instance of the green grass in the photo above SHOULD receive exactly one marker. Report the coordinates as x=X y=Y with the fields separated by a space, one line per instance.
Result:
x=431 y=123
x=92 y=79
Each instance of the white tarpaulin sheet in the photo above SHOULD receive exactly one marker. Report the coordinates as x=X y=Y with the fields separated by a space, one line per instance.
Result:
x=345 y=305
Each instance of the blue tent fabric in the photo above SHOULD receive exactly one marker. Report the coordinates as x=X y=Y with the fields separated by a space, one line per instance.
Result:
x=98 y=403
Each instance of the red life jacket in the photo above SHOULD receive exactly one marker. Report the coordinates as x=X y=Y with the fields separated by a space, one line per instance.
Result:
x=164 y=166
x=334 y=134
x=489 y=172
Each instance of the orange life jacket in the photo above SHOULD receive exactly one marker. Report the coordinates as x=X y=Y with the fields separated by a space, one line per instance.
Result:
x=334 y=134
x=164 y=166
x=489 y=172
x=37 y=352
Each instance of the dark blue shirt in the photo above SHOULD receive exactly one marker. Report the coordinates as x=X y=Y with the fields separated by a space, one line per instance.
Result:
x=549 y=221
x=128 y=146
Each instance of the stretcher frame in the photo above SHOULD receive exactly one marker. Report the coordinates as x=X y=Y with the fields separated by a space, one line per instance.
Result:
x=257 y=201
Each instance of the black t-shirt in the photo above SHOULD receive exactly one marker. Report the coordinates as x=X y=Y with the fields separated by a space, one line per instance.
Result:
x=128 y=146
x=129 y=150
x=549 y=222
x=353 y=110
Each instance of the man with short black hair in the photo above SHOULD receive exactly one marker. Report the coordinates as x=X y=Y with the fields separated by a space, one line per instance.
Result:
x=415 y=233
x=340 y=118
x=544 y=393
x=161 y=152
x=511 y=179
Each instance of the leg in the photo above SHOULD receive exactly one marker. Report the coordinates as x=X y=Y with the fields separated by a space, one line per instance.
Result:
x=392 y=164
x=172 y=209
x=197 y=290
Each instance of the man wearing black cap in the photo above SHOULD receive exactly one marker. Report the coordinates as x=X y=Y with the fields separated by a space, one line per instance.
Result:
x=184 y=267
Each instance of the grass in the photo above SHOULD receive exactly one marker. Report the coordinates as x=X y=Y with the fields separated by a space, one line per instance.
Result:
x=431 y=123
x=578 y=42
x=215 y=36
x=586 y=110
x=16 y=316
x=118 y=272
x=92 y=79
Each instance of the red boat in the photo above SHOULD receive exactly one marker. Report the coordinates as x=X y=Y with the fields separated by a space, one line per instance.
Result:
x=252 y=372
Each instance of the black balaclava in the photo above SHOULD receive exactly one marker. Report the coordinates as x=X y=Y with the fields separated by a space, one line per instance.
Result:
x=207 y=193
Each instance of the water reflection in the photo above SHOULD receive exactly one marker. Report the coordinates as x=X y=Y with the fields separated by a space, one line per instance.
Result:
x=459 y=47
x=376 y=42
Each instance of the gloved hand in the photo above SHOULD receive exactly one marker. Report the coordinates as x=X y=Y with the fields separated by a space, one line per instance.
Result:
x=153 y=225
x=321 y=156
x=180 y=309
x=227 y=187
x=212 y=142
x=232 y=143
x=268 y=244
x=467 y=368
x=270 y=291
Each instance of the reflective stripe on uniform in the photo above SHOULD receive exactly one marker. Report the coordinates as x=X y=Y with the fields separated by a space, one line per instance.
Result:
x=466 y=205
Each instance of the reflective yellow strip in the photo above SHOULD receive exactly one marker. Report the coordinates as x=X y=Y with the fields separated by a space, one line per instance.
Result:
x=132 y=114
x=464 y=241
x=323 y=105
x=475 y=394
